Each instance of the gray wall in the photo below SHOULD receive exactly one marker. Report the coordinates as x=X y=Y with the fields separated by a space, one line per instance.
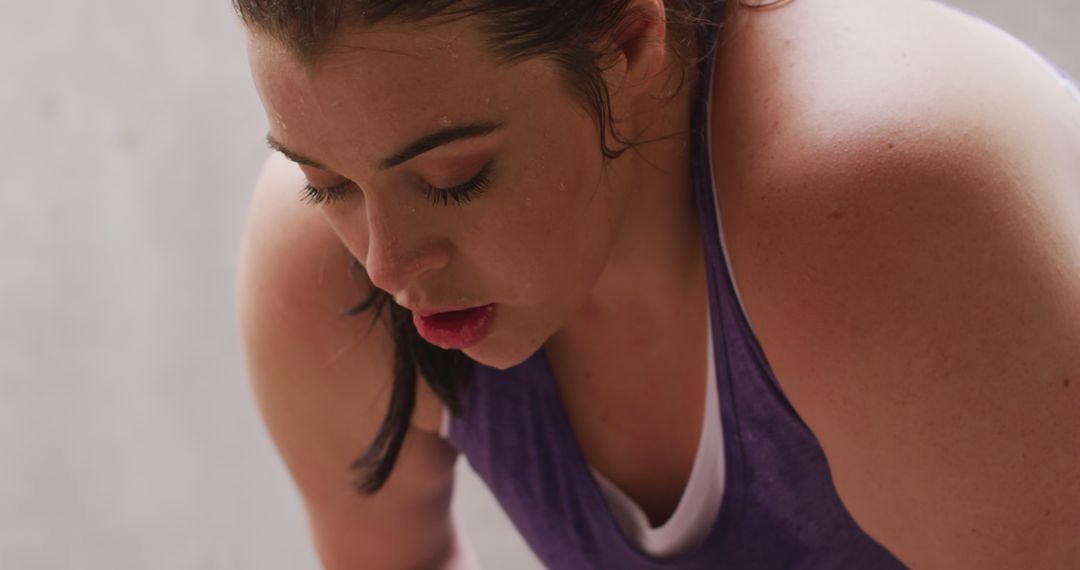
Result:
x=128 y=437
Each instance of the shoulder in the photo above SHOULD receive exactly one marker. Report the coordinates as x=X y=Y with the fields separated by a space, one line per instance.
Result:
x=908 y=250
x=826 y=75
x=321 y=382
x=829 y=112
x=840 y=119
x=294 y=281
x=841 y=122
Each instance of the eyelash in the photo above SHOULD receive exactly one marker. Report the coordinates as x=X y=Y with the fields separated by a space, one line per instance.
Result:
x=315 y=196
x=460 y=194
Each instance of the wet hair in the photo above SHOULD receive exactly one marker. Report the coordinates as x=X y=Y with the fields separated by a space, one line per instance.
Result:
x=565 y=31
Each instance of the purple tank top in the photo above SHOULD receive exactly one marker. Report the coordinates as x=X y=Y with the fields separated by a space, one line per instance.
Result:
x=780 y=509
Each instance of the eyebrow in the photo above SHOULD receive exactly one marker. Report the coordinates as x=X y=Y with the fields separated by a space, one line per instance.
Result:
x=412 y=150
x=297 y=158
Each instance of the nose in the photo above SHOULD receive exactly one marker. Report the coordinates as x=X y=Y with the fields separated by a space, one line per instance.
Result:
x=400 y=250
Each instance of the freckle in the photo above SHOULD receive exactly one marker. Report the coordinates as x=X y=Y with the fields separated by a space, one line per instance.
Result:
x=891 y=146
x=1068 y=382
x=836 y=214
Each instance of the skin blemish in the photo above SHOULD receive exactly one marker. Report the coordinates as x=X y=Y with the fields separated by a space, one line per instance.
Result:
x=1067 y=382
x=836 y=214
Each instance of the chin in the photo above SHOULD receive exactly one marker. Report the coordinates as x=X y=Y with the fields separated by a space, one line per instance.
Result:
x=502 y=355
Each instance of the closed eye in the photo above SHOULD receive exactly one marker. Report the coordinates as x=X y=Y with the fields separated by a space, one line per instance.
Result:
x=315 y=196
x=462 y=193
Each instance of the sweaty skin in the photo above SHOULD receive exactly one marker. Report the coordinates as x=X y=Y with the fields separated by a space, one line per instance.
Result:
x=858 y=153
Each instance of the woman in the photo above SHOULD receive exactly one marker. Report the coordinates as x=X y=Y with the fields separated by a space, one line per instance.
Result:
x=873 y=364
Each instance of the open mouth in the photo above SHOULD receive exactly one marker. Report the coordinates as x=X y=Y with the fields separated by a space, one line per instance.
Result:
x=456 y=329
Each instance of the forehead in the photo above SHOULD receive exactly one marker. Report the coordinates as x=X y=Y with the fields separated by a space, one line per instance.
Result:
x=377 y=86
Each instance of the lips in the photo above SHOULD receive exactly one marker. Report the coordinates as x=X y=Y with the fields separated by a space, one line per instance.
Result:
x=456 y=329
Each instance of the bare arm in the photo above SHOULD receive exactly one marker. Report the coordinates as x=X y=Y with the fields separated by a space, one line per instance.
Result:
x=322 y=385
x=918 y=295
x=906 y=239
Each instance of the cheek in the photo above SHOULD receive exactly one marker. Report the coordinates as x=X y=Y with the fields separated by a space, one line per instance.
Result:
x=578 y=206
x=548 y=238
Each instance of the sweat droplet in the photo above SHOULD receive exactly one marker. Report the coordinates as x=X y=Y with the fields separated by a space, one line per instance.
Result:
x=528 y=202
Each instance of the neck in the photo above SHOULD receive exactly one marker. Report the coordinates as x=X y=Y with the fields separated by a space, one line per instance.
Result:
x=657 y=261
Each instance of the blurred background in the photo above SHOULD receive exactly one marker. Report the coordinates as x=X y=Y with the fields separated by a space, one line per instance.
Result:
x=128 y=436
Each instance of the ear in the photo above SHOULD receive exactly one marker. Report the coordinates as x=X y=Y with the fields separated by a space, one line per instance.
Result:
x=641 y=43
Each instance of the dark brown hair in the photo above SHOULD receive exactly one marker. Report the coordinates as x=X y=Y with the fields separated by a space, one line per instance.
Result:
x=565 y=31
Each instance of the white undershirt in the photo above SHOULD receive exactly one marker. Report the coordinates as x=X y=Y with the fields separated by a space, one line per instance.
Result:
x=696 y=512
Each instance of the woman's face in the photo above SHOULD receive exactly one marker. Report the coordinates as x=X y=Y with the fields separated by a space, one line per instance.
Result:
x=535 y=237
